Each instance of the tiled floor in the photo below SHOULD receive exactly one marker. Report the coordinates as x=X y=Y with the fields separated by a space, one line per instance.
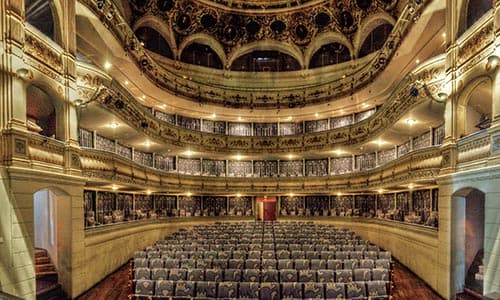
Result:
x=407 y=286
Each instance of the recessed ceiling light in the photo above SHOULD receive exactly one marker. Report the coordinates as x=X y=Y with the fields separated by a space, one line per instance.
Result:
x=114 y=187
x=289 y=118
x=188 y=153
x=238 y=157
x=379 y=142
x=143 y=97
x=339 y=151
x=339 y=194
x=292 y=194
x=214 y=116
x=147 y=143
x=444 y=35
x=238 y=195
x=126 y=82
x=417 y=61
x=410 y=121
x=107 y=65
x=290 y=156
x=411 y=186
x=113 y=125
x=365 y=105
x=380 y=191
x=189 y=194
x=316 y=115
x=239 y=119
x=148 y=192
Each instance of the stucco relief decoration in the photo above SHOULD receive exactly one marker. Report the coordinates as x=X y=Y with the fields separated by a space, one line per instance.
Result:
x=40 y=51
x=474 y=44
x=20 y=146
x=495 y=143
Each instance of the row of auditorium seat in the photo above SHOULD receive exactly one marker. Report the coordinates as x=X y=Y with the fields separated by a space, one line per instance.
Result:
x=168 y=289
x=269 y=275
x=266 y=254
x=298 y=264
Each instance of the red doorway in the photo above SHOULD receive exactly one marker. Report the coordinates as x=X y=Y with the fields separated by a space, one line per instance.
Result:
x=268 y=208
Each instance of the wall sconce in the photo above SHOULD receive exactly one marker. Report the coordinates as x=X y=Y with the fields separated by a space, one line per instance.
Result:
x=442 y=96
x=23 y=73
x=493 y=60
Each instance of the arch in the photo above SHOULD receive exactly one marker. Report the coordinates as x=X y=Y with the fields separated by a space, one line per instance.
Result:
x=52 y=222
x=154 y=41
x=367 y=27
x=162 y=28
x=44 y=110
x=474 y=106
x=291 y=50
x=265 y=61
x=324 y=39
x=467 y=236
x=201 y=55
x=203 y=39
x=45 y=16
x=471 y=12
x=375 y=40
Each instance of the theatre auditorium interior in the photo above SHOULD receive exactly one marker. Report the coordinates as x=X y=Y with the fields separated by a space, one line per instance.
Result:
x=257 y=149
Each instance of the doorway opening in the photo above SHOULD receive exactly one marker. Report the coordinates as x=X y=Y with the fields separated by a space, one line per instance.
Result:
x=266 y=209
x=468 y=239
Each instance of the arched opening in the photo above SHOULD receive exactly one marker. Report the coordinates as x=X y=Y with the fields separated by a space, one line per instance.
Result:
x=41 y=113
x=375 y=40
x=330 y=54
x=154 y=41
x=475 y=111
x=201 y=55
x=39 y=13
x=265 y=61
x=476 y=9
x=468 y=239
x=52 y=240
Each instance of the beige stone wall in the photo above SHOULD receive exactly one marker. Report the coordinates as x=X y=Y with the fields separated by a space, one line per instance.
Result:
x=486 y=180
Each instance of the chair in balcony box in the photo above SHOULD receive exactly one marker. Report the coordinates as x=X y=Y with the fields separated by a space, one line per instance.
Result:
x=291 y=290
x=227 y=290
x=206 y=289
x=159 y=274
x=249 y=290
x=314 y=290
x=356 y=290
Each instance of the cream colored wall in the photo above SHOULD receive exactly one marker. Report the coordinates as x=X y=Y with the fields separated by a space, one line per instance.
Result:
x=486 y=180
